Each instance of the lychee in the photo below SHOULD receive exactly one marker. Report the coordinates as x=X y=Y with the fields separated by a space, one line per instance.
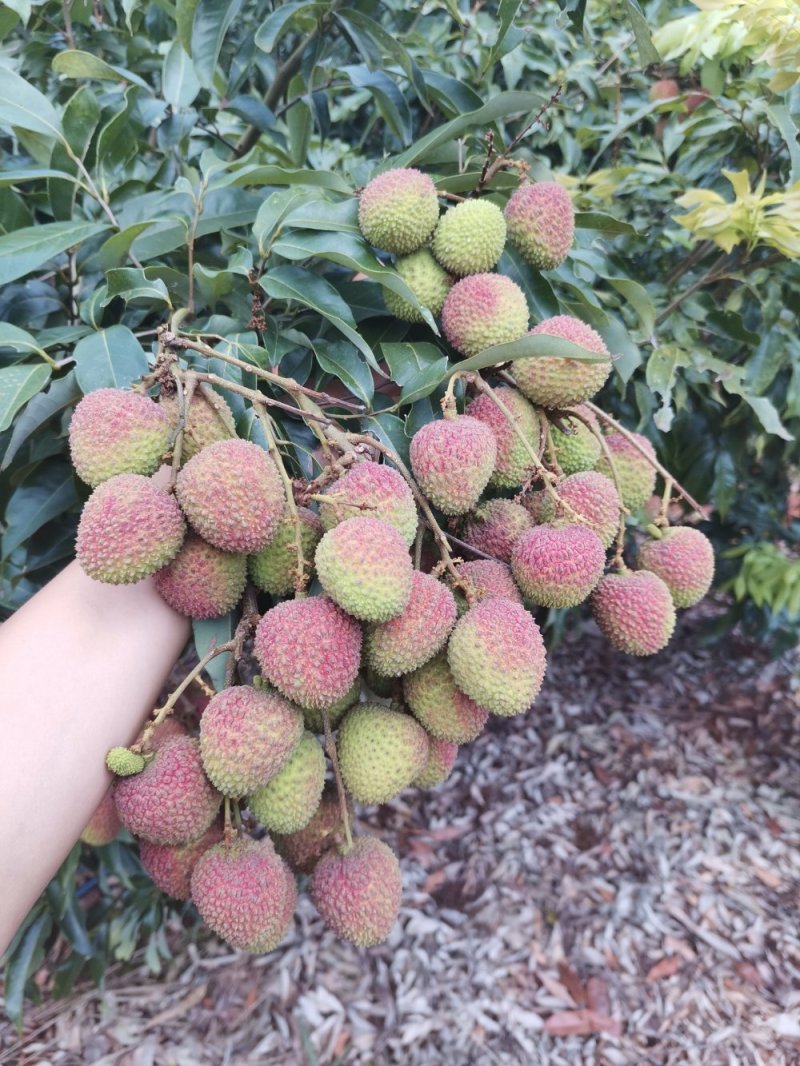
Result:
x=313 y=715
x=129 y=528
x=357 y=891
x=578 y=449
x=593 y=497
x=246 y=736
x=287 y=802
x=497 y=657
x=104 y=824
x=439 y=705
x=634 y=611
x=325 y=830
x=310 y=650
x=380 y=752
x=470 y=237
x=245 y=893
x=637 y=476
x=558 y=565
x=125 y=763
x=274 y=568
x=170 y=867
x=541 y=223
x=233 y=496
x=441 y=760
x=426 y=279
x=483 y=310
x=417 y=633
x=171 y=800
x=488 y=578
x=208 y=421
x=398 y=210
x=550 y=381
x=202 y=581
x=363 y=564
x=371 y=490
x=684 y=560
x=495 y=527
x=114 y=431
x=513 y=465
x=452 y=460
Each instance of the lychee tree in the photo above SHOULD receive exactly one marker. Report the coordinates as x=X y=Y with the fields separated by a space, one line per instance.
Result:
x=336 y=291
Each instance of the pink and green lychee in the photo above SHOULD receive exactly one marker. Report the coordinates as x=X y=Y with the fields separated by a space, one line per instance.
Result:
x=313 y=716
x=637 y=476
x=441 y=760
x=288 y=801
x=634 y=611
x=541 y=223
x=325 y=830
x=406 y=642
x=486 y=579
x=357 y=891
x=593 y=497
x=209 y=420
x=439 y=706
x=202 y=581
x=494 y=527
x=113 y=432
x=452 y=460
x=483 y=310
x=170 y=866
x=558 y=565
x=684 y=560
x=513 y=465
x=371 y=490
x=553 y=382
x=104 y=824
x=274 y=568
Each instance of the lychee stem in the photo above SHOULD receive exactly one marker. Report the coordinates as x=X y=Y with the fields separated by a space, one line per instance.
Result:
x=330 y=747
x=631 y=438
x=663 y=515
x=550 y=448
x=300 y=575
x=185 y=385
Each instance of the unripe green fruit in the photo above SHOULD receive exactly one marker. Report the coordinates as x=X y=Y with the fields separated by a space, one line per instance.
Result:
x=470 y=237
x=426 y=279
x=398 y=210
x=637 y=476
x=124 y=763
x=438 y=704
x=208 y=421
x=288 y=801
x=274 y=568
x=380 y=752
x=579 y=449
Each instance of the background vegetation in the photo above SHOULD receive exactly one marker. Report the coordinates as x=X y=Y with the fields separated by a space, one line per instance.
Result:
x=176 y=161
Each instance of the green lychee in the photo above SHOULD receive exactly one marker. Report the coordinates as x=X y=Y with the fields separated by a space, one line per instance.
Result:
x=274 y=568
x=209 y=420
x=287 y=802
x=470 y=237
x=426 y=279
x=336 y=712
x=578 y=449
x=380 y=752
x=124 y=763
x=637 y=476
x=398 y=210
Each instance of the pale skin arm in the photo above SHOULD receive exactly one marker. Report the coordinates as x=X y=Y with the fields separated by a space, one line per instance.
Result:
x=81 y=667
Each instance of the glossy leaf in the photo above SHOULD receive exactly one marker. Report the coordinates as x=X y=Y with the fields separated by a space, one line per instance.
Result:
x=110 y=358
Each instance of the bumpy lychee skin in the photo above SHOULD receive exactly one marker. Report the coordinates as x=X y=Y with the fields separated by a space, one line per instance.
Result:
x=208 y=421
x=684 y=560
x=426 y=279
x=371 y=490
x=440 y=706
x=558 y=566
x=202 y=581
x=495 y=527
x=232 y=494
x=637 y=477
x=125 y=763
x=273 y=569
x=497 y=656
x=129 y=528
x=452 y=460
x=310 y=650
x=313 y=716
x=104 y=824
x=488 y=579
x=398 y=210
x=414 y=636
x=117 y=432
x=470 y=237
x=364 y=566
x=358 y=891
x=579 y=449
x=245 y=893
x=287 y=802
x=380 y=752
x=549 y=381
x=247 y=736
x=170 y=868
x=441 y=760
x=171 y=800
x=513 y=464
x=634 y=612
x=541 y=223
x=483 y=310
x=593 y=497
x=325 y=830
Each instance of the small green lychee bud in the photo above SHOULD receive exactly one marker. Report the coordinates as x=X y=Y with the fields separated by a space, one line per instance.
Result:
x=125 y=763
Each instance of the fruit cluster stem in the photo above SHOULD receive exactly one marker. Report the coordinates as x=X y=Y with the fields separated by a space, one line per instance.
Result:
x=330 y=747
x=300 y=575
x=663 y=515
x=185 y=384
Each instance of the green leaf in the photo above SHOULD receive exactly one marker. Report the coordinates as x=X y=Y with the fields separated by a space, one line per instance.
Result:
x=184 y=18
x=134 y=286
x=62 y=393
x=314 y=292
x=339 y=217
x=21 y=8
x=639 y=299
x=350 y=252
x=212 y=20
x=111 y=358
x=258 y=174
x=114 y=251
x=278 y=22
x=210 y=633
x=390 y=102
x=781 y=118
x=391 y=430
x=18 y=340
x=525 y=348
x=179 y=82
x=425 y=381
x=76 y=64
x=660 y=376
x=362 y=27
x=23 y=963
x=17 y=385
x=603 y=223
x=47 y=494
x=26 y=249
x=26 y=108
x=343 y=361
x=538 y=290
x=507 y=13
x=272 y=212
x=648 y=55
x=19 y=177
x=407 y=359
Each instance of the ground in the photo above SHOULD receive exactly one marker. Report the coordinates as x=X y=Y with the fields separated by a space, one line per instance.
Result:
x=610 y=879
